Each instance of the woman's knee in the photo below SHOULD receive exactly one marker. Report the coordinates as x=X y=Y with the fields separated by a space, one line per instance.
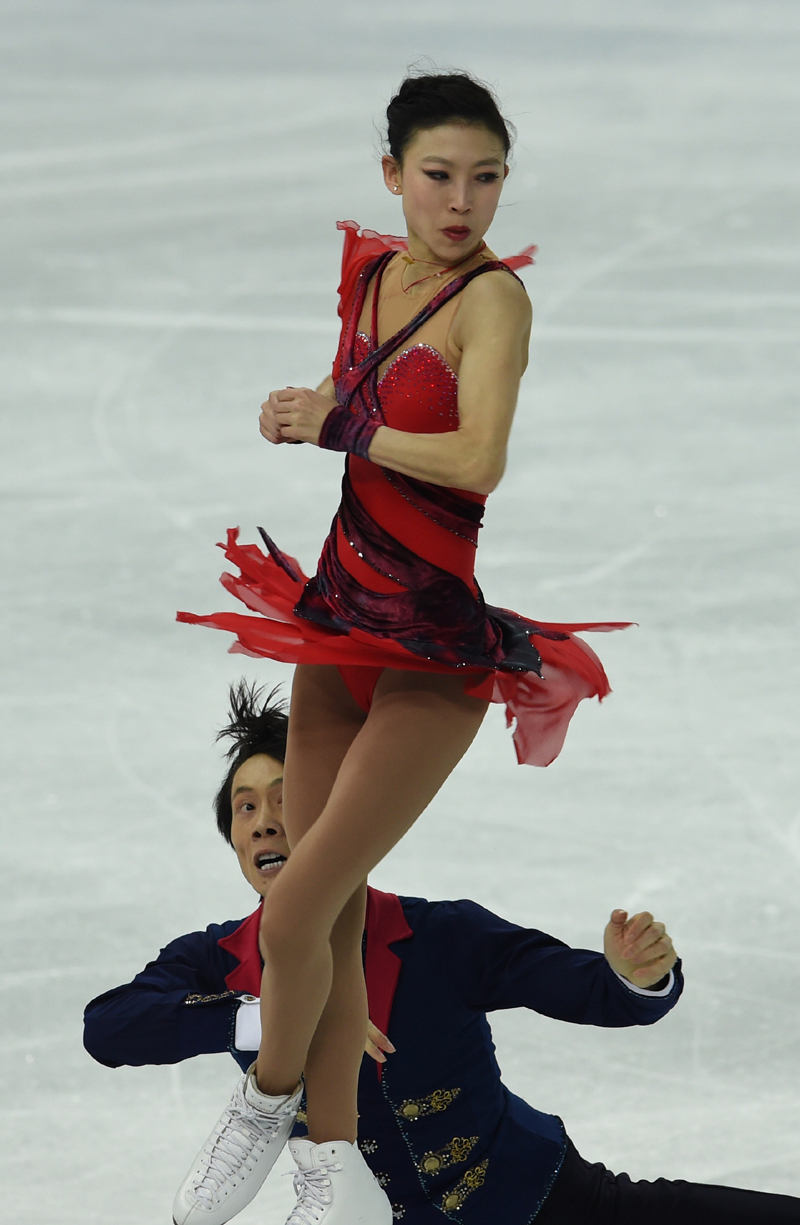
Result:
x=348 y=930
x=292 y=928
x=286 y=932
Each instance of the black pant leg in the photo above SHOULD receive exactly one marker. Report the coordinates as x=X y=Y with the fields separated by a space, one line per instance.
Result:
x=589 y=1194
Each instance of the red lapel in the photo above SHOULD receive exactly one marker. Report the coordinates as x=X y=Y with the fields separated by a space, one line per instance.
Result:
x=243 y=943
x=385 y=923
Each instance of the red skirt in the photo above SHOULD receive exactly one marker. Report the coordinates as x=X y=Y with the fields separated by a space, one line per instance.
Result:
x=538 y=707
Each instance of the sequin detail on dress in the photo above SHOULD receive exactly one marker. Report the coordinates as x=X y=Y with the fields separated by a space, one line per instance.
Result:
x=421 y=367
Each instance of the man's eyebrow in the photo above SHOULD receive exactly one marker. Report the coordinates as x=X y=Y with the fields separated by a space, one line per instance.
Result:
x=274 y=783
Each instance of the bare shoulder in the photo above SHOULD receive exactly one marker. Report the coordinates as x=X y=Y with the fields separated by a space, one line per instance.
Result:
x=495 y=297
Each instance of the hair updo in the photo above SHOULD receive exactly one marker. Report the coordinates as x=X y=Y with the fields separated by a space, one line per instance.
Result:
x=257 y=725
x=429 y=100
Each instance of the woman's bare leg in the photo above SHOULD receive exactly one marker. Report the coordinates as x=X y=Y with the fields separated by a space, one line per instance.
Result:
x=419 y=727
x=324 y=722
x=337 y=1048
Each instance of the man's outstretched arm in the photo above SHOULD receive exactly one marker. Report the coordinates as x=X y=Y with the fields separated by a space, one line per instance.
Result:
x=177 y=1007
x=494 y=964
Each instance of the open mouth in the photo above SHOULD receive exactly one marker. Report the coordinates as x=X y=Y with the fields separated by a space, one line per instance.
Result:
x=270 y=861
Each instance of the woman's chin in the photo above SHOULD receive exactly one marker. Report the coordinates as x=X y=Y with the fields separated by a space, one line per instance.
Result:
x=445 y=250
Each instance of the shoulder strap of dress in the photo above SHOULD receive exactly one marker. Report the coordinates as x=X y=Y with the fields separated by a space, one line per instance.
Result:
x=357 y=297
x=388 y=347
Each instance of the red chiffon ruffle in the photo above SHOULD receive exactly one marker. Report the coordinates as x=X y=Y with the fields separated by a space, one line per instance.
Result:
x=539 y=708
x=360 y=246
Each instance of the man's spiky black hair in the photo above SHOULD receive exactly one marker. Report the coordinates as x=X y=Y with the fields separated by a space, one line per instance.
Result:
x=257 y=725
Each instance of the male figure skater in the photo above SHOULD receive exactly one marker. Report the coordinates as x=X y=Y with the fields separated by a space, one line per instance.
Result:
x=438 y=1129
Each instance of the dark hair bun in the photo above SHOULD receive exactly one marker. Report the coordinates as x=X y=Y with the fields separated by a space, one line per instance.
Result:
x=425 y=101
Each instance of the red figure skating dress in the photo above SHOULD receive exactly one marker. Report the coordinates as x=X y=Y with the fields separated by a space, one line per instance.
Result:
x=395 y=584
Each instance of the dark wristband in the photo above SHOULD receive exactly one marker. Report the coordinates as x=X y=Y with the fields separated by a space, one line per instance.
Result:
x=346 y=431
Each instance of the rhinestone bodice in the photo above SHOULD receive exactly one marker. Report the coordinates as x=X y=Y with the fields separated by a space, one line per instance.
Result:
x=418 y=391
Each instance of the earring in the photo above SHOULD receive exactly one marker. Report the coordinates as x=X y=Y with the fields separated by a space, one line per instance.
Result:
x=396 y=189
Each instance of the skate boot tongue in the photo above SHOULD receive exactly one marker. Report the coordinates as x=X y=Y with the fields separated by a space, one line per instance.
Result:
x=303 y=1152
x=325 y=1156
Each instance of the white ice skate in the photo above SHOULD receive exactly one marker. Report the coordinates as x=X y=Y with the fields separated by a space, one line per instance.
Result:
x=238 y=1155
x=335 y=1186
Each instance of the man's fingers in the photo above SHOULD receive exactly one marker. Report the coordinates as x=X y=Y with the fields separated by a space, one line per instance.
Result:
x=379 y=1038
x=635 y=928
x=655 y=953
x=377 y=1043
x=661 y=953
x=656 y=969
x=650 y=936
x=636 y=925
x=643 y=949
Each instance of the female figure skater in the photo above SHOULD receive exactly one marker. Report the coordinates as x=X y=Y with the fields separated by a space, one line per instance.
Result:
x=398 y=655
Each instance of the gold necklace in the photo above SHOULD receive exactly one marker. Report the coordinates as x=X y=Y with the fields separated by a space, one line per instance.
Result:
x=409 y=259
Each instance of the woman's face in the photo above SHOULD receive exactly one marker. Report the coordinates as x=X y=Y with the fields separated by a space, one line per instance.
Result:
x=450 y=180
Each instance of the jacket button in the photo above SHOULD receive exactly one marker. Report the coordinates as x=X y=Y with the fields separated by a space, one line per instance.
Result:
x=451 y=1201
x=410 y=1110
x=431 y=1164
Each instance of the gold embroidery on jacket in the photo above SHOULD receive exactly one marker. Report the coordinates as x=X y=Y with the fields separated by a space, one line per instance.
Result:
x=468 y=1183
x=194 y=998
x=418 y=1107
x=454 y=1153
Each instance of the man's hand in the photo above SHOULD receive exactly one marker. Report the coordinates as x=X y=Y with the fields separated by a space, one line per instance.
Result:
x=639 y=948
x=294 y=414
x=377 y=1043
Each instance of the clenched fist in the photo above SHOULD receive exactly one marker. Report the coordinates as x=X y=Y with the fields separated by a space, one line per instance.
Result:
x=294 y=414
x=639 y=948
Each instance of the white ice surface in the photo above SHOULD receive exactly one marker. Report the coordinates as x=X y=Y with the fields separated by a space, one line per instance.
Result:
x=168 y=191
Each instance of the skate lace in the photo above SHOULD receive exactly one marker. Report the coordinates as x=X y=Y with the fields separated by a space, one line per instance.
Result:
x=313 y=1189
x=240 y=1132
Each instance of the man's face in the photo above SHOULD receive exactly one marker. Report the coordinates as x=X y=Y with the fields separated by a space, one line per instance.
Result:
x=257 y=832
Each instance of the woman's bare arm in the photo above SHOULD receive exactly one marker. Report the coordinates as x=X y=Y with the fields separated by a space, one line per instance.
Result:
x=493 y=332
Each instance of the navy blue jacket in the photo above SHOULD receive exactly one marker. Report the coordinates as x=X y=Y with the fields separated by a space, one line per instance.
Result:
x=442 y=1133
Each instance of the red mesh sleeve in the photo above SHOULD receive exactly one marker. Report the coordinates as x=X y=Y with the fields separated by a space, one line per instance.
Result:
x=358 y=250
